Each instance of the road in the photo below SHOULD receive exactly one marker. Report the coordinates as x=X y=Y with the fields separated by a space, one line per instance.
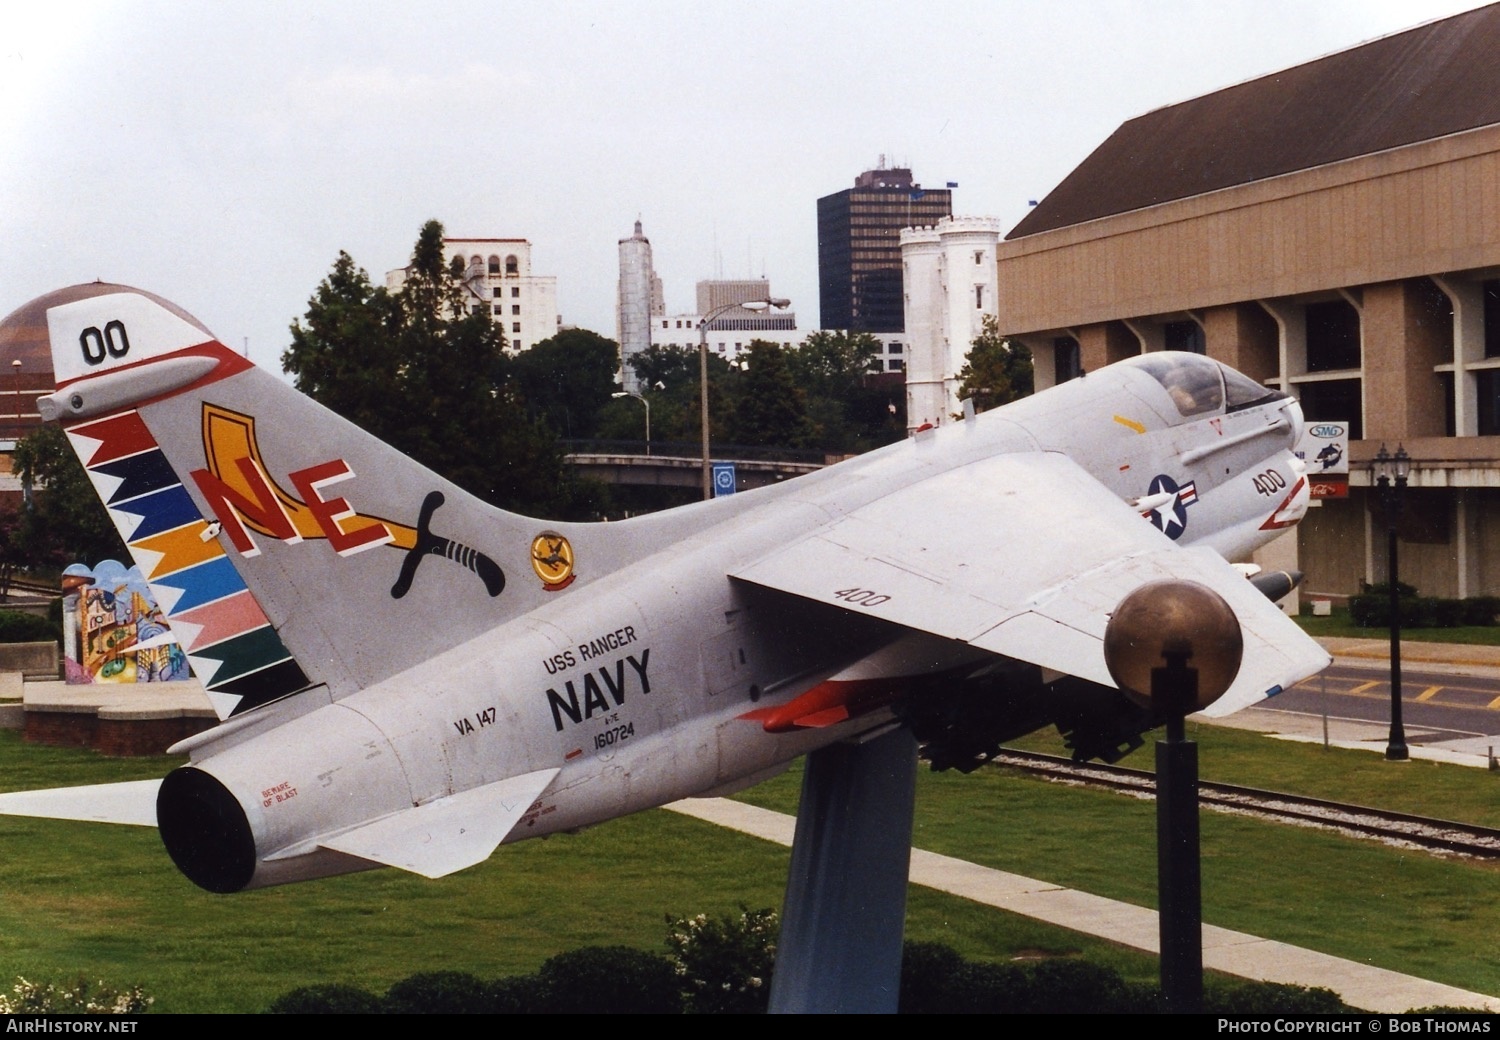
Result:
x=1436 y=705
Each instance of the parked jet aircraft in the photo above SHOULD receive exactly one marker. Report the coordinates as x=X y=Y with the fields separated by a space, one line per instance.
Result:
x=409 y=677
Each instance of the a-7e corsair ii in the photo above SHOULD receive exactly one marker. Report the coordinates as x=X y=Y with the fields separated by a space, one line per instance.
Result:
x=409 y=677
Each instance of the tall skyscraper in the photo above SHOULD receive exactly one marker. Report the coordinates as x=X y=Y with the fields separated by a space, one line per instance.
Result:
x=639 y=298
x=859 y=247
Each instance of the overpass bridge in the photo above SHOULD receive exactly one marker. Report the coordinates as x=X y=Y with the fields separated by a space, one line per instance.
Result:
x=680 y=464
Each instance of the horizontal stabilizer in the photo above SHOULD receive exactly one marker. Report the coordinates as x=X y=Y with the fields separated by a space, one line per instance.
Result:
x=132 y=802
x=1044 y=554
x=449 y=834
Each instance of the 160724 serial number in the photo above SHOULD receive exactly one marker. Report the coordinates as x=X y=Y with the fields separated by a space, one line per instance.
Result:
x=614 y=735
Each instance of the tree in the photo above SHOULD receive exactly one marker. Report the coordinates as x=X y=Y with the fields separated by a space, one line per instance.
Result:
x=850 y=411
x=771 y=409
x=567 y=379
x=416 y=370
x=63 y=522
x=669 y=377
x=996 y=371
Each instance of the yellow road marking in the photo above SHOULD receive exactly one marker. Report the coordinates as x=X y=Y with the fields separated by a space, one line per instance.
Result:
x=1362 y=687
x=1136 y=426
x=1426 y=695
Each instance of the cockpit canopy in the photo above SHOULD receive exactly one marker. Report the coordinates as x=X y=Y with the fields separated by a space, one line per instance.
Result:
x=1200 y=387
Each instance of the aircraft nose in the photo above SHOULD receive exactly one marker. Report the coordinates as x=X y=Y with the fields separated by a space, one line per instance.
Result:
x=205 y=830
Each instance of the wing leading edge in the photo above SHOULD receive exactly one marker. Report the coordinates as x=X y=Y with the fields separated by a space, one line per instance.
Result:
x=1024 y=555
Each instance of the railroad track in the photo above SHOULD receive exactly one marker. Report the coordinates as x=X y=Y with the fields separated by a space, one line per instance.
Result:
x=1393 y=827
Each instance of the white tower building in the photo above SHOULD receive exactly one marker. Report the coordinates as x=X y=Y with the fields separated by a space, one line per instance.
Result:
x=638 y=299
x=949 y=282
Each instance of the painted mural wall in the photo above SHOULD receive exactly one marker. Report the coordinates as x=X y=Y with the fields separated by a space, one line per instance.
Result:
x=115 y=631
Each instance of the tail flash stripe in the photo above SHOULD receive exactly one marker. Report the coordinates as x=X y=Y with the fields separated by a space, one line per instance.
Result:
x=245 y=653
x=175 y=550
x=159 y=511
x=231 y=645
x=198 y=585
x=137 y=475
x=117 y=436
x=220 y=620
x=267 y=684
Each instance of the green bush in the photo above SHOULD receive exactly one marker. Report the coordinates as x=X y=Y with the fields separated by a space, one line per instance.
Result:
x=439 y=993
x=724 y=964
x=930 y=974
x=326 y=1000
x=16 y=627
x=609 y=980
x=84 y=998
x=1372 y=609
x=1272 y=998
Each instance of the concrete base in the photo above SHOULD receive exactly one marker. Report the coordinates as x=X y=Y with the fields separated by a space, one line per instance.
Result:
x=117 y=719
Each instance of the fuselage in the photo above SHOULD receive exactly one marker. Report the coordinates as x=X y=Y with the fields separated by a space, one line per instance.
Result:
x=637 y=686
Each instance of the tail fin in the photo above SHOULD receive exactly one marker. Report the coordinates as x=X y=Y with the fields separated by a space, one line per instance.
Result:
x=287 y=547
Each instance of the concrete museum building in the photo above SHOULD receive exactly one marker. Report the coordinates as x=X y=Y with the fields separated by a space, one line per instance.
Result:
x=1332 y=229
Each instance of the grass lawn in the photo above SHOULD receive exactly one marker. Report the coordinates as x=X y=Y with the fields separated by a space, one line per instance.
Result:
x=1339 y=625
x=1400 y=909
x=106 y=903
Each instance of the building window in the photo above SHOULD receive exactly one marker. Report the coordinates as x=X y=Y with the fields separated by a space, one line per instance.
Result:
x=1488 y=380
x=515 y=308
x=895 y=365
x=1492 y=318
x=515 y=344
x=978 y=257
x=494 y=265
x=499 y=308
x=512 y=265
x=515 y=326
x=1066 y=363
x=978 y=297
x=1184 y=335
x=1332 y=338
x=665 y=324
x=1335 y=400
x=515 y=291
x=895 y=348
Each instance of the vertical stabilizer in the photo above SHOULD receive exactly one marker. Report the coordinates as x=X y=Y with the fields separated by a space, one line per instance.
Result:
x=287 y=547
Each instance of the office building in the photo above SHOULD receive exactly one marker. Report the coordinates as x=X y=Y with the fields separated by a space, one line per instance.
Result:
x=859 y=247
x=497 y=279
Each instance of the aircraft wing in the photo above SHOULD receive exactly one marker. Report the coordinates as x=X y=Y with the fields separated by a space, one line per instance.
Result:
x=132 y=802
x=1025 y=555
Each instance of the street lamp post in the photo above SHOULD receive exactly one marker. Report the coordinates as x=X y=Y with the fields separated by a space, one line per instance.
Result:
x=749 y=305
x=15 y=366
x=1151 y=636
x=1390 y=473
x=641 y=398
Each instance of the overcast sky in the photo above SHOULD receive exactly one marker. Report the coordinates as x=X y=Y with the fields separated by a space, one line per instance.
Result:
x=221 y=155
